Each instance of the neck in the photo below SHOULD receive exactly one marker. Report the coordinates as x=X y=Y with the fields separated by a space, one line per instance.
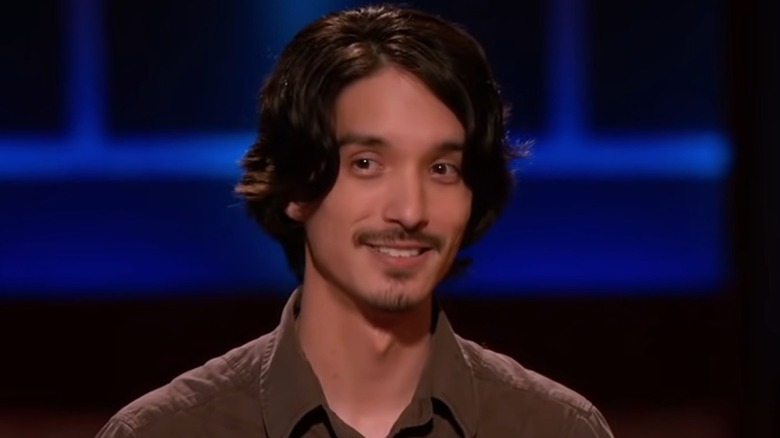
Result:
x=369 y=363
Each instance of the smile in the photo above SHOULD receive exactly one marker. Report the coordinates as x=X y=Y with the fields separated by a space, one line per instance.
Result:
x=399 y=252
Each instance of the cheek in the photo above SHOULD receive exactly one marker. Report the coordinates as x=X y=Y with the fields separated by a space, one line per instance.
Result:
x=453 y=211
x=343 y=206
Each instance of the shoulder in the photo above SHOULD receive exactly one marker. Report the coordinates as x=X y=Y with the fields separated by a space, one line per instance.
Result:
x=498 y=370
x=223 y=386
x=505 y=387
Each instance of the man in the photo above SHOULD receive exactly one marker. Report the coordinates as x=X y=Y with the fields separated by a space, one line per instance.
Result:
x=382 y=153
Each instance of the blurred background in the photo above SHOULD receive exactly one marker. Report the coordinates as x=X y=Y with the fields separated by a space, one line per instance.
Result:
x=637 y=262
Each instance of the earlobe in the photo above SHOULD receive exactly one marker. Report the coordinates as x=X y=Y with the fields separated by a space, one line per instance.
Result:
x=295 y=211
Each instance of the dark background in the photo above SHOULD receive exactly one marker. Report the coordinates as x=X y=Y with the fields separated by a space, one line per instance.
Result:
x=636 y=264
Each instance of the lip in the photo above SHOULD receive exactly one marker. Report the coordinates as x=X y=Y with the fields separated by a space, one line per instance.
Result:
x=397 y=245
x=401 y=262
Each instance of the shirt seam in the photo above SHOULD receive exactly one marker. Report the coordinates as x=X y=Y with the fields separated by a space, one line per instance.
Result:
x=125 y=425
x=586 y=408
x=585 y=418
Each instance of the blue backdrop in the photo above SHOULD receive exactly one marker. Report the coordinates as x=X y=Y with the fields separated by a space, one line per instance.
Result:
x=122 y=123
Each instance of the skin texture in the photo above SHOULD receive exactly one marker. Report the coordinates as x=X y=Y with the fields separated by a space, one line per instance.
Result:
x=365 y=316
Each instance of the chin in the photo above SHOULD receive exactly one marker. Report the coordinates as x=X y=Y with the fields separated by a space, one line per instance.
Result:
x=395 y=300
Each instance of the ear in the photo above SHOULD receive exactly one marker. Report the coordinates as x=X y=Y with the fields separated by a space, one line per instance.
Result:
x=296 y=211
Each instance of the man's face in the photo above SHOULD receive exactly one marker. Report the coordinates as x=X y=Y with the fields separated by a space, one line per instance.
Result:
x=390 y=227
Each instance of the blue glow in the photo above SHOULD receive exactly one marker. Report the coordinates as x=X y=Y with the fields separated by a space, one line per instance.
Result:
x=76 y=240
x=87 y=97
x=566 y=150
x=696 y=155
x=163 y=237
x=565 y=69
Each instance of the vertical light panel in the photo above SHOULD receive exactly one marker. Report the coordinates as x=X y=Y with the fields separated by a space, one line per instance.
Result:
x=567 y=48
x=86 y=95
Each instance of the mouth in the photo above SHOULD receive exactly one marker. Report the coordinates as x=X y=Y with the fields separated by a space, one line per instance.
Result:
x=398 y=252
x=411 y=256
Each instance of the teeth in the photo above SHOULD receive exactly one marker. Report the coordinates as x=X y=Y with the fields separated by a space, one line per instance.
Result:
x=394 y=252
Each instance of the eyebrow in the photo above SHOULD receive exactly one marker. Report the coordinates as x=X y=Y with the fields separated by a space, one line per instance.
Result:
x=373 y=141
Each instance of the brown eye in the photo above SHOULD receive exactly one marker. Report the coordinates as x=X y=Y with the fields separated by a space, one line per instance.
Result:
x=366 y=166
x=445 y=169
x=362 y=163
x=446 y=172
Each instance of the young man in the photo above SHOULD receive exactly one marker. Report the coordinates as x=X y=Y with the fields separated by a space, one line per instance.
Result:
x=382 y=153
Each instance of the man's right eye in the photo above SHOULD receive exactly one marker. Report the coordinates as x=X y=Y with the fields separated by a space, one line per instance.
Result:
x=363 y=163
x=366 y=167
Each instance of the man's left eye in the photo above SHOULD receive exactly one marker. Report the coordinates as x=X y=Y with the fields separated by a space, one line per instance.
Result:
x=445 y=169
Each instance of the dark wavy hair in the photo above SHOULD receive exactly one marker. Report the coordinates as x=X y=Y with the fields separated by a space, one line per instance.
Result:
x=296 y=157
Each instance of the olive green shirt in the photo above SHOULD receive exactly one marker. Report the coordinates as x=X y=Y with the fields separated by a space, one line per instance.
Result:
x=266 y=388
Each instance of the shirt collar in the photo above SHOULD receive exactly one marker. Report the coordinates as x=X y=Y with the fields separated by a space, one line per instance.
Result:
x=451 y=375
x=289 y=389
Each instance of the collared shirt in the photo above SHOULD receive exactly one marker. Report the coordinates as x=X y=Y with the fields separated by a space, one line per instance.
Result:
x=267 y=388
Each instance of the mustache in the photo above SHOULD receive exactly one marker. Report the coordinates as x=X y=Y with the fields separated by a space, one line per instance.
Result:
x=371 y=237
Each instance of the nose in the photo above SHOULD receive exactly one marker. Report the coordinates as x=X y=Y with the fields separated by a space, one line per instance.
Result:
x=407 y=203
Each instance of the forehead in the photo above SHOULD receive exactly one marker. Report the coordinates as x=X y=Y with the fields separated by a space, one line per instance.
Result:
x=396 y=107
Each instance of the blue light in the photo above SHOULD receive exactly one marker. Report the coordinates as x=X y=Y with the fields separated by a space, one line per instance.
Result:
x=696 y=155
x=566 y=48
x=94 y=243
x=87 y=107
